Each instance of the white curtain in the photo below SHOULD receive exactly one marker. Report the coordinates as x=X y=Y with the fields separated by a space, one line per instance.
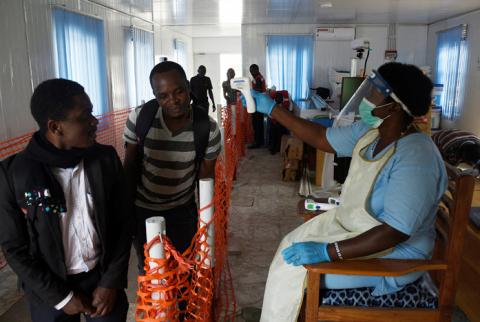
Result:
x=80 y=49
x=451 y=69
x=139 y=63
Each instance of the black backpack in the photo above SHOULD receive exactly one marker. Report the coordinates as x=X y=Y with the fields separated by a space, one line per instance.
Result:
x=201 y=129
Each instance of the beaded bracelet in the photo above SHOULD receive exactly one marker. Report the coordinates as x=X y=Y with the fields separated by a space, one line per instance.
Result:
x=337 y=249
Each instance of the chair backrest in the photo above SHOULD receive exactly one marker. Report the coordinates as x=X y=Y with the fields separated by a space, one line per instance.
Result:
x=452 y=220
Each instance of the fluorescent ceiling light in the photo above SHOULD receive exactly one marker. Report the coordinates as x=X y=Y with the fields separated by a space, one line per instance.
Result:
x=326 y=5
x=230 y=11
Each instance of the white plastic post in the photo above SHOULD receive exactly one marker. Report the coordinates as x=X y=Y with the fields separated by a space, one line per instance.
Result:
x=155 y=226
x=206 y=191
x=219 y=115
x=222 y=136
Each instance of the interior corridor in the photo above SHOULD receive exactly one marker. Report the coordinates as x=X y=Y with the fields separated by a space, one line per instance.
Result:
x=263 y=210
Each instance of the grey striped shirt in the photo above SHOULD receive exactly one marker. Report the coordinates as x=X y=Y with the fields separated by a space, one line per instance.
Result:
x=168 y=169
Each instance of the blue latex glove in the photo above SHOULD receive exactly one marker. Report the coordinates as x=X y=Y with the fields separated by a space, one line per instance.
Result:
x=306 y=253
x=264 y=103
x=244 y=101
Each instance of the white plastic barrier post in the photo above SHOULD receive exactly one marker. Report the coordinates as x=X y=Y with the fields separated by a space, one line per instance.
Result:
x=156 y=226
x=206 y=191
x=219 y=115
x=222 y=136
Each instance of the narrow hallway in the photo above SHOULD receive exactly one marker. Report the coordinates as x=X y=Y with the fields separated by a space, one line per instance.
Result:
x=263 y=210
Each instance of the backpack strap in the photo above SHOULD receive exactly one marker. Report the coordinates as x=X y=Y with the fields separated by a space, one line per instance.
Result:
x=201 y=133
x=142 y=126
x=144 y=120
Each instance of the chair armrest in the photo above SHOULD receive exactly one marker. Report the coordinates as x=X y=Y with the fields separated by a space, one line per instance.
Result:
x=377 y=267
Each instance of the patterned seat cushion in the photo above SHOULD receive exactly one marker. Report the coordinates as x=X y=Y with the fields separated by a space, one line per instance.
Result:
x=413 y=295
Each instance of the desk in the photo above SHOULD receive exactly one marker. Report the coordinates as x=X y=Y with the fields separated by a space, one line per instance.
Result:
x=303 y=109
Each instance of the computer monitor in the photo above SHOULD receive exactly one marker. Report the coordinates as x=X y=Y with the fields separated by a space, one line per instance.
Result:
x=349 y=86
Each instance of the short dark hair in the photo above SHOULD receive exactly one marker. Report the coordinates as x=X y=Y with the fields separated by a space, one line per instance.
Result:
x=411 y=86
x=254 y=66
x=53 y=99
x=166 y=66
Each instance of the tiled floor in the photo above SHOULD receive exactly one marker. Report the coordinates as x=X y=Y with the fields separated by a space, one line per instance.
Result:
x=263 y=211
x=257 y=226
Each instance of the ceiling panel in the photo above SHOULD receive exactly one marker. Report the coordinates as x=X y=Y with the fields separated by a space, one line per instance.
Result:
x=234 y=12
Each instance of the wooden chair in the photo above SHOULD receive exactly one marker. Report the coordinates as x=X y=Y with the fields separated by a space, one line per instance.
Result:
x=452 y=220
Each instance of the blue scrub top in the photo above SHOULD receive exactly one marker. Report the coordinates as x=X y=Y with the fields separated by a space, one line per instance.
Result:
x=405 y=195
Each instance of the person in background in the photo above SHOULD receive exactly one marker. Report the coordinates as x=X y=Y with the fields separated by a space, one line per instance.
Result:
x=275 y=129
x=174 y=155
x=200 y=85
x=259 y=85
x=229 y=93
x=65 y=230
x=458 y=146
x=388 y=202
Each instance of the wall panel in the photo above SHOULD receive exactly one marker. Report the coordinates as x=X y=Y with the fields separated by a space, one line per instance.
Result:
x=328 y=54
x=15 y=83
x=28 y=57
x=164 y=47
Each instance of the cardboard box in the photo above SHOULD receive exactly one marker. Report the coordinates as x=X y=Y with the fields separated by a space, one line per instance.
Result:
x=291 y=148
x=283 y=145
x=290 y=164
x=290 y=170
x=289 y=174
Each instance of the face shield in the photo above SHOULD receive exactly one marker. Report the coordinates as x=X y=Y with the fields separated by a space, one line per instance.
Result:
x=375 y=89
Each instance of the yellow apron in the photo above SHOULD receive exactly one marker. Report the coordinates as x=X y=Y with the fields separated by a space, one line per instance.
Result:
x=286 y=283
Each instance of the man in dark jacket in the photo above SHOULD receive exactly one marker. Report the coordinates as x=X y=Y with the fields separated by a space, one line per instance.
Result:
x=64 y=228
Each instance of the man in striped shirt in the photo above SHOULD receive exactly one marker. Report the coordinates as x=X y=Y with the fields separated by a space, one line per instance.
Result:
x=166 y=183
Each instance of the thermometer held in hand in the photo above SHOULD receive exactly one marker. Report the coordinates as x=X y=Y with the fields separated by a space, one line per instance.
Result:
x=243 y=85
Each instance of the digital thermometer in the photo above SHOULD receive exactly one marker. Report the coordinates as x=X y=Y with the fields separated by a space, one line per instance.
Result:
x=312 y=205
x=243 y=85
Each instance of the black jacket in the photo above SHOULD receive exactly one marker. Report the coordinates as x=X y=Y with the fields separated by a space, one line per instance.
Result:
x=30 y=232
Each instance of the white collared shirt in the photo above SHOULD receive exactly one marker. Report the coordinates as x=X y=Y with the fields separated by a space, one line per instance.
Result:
x=81 y=244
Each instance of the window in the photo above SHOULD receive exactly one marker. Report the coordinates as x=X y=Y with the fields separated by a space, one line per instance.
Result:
x=181 y=53
x=139 y=63
x=80 y=48
x=451 y=68
x=289 y=64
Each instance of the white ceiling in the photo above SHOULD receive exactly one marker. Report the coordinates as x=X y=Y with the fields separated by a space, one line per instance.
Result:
x=224 y=16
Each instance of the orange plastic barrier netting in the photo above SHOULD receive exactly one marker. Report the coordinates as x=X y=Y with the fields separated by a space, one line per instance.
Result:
x=186 y=285
x=109 y=131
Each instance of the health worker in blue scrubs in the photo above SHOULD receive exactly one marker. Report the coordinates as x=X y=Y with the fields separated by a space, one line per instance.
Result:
x=389 y=198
